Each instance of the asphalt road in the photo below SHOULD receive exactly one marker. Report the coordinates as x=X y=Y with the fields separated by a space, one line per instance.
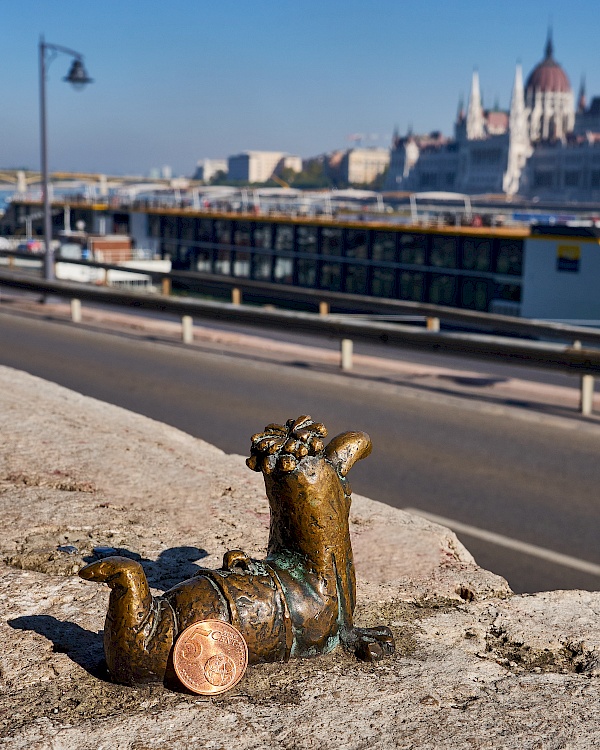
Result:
x=532 y=482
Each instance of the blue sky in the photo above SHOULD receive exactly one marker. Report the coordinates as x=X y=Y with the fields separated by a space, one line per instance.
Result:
x=180 y=80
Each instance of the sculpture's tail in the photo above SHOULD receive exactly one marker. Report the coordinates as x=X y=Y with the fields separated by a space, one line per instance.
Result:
x=139 y=630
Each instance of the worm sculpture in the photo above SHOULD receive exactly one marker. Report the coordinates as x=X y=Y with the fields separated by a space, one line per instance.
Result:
x=297 y=602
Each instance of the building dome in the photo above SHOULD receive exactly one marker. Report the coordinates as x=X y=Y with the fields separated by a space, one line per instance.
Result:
x=548 y=76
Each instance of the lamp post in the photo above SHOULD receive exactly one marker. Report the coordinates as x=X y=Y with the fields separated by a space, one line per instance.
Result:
x=78 y=77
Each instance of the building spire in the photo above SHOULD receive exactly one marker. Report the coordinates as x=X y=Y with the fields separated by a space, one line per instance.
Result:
x=460 y=112
x=519 y=147
x=581 y=102
x=549 y=45
x=475 y=120
x=517 y=118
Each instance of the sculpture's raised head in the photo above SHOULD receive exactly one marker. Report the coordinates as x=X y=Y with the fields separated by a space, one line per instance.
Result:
x=281 y=447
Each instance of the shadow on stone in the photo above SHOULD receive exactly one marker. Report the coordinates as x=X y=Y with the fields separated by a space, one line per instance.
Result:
x=170 y=567
x=173 y=566
x=81 y=646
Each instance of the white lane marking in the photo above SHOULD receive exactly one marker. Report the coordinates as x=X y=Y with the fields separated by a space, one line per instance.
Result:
x=505 y=541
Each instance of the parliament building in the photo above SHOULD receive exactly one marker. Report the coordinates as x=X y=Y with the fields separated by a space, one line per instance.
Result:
x=546 y=146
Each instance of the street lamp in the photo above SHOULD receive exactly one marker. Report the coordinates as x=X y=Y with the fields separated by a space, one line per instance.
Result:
x=78 y=77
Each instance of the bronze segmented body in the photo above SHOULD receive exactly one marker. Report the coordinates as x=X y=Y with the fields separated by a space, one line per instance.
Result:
x=298 y=602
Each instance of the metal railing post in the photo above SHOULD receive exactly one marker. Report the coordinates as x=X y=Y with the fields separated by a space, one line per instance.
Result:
x=323 y=308
x=586 y=390
x=586 y=399
x=76 y=310
x=187 y=329
x=346 y=350
x=166 y=286
x=236 y=296
x=433 y=324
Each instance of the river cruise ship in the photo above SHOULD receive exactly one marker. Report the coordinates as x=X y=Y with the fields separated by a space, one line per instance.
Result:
x=545 y=271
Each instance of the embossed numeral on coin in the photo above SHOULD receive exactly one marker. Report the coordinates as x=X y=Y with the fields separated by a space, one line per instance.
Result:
x=192 y=649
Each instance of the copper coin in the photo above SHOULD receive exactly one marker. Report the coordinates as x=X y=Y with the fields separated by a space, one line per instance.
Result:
x=210 y=657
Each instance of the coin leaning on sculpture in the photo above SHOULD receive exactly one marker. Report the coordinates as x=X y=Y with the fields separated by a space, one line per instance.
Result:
x=210 y=657
x=297 y=602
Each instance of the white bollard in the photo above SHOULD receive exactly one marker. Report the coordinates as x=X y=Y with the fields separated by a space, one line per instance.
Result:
x=346 y=354
x=323 y=308
x=586 y=390
x=433 y=324
x=76 y=310
x=187 y=329
x=586 y=399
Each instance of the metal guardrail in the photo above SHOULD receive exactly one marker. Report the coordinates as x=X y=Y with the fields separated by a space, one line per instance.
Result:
x=571 y=358
x=343 y=302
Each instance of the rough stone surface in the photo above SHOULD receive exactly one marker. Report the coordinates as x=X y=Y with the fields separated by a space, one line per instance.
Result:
x=476 y=667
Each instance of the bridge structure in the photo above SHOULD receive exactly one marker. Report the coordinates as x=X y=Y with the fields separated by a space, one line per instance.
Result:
x=28 y=183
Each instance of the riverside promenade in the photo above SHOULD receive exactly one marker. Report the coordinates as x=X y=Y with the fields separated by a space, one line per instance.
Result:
x=475 y=666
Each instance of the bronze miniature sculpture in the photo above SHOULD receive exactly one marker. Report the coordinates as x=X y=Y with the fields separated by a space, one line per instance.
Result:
x=298 y=602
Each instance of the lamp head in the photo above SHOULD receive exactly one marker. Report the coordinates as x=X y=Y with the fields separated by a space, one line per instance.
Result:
x=78 y=76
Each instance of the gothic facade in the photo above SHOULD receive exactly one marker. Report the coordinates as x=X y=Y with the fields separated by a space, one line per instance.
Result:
x=542 y=146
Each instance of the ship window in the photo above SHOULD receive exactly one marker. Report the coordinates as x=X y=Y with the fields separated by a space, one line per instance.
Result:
x=261 y=266
x=307 y=272
x=204 y=261
x=223 y=232
x=412 y=248
x=121 y=223
x=331 y=241
x=331 y=276
x=241 y=263
x=442 y=289
x=306 y=240
x=263 y=235
x=384 y=246
x=168 y=230
x=511 y=292
x=510 y=257
x=168 y=226
x=412 y=285
x=356 y=244
x=474 y=294
x=443 y=252
x=283 y=270
x=284 y=237
x=223 y=262
x=356 y=279
x=188 y=229
x=242 y=233
x=204 y=230
x=383 y=282
x=477 y=255
x=154 y=225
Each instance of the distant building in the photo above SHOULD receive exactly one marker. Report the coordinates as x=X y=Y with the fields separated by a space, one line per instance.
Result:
x=260 y=166
x=542 y=146
x=206 y=169
x=360 y=166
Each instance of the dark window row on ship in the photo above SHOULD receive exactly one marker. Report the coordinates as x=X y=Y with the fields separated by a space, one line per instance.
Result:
x=442 y=269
